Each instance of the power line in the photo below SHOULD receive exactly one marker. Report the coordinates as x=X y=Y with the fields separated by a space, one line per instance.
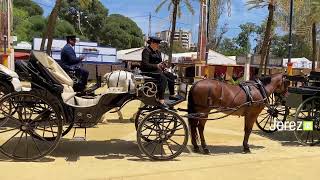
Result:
x=178 y=22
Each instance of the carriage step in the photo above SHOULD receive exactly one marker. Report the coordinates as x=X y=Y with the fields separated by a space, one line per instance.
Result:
x=80 y=139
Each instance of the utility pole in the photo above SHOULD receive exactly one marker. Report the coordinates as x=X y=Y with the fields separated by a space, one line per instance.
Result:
x=290 y=39
x=79 y=21
x=200 y=65
x=149 y=33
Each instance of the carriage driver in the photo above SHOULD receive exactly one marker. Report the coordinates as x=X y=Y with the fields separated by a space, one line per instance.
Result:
x=152 y=63
x=70 y=62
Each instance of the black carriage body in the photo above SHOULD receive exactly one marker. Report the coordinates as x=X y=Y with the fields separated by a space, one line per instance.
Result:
x=90 y=116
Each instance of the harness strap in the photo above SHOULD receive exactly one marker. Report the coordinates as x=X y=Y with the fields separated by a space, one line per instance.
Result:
x=246 y=88
x=262 y=90
x=108 y=80
x=118 y=78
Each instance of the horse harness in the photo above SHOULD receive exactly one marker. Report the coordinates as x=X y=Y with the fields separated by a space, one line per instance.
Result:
x=246 y=87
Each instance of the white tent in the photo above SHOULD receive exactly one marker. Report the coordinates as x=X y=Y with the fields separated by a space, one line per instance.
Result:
x=299 y=63
x=214 y=58
x=134 y=54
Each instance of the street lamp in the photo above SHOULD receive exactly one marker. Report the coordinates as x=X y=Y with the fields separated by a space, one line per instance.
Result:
x=290 y=40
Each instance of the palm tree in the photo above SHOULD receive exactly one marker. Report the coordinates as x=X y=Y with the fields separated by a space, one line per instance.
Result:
x=267 y=35
x=174 y=6
x=314 y=19
x=50 y=27
x=48 y=34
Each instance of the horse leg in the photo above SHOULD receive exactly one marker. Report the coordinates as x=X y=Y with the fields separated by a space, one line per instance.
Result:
x=201 y=126
x=194 y=134
x=248 y=124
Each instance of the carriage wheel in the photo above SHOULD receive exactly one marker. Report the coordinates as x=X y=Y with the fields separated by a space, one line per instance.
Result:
x=141 y=114
x=269 y=116
x=27 y=116
x=166 y=133
x=309 y=114
x=4 y=90
x=66 y=127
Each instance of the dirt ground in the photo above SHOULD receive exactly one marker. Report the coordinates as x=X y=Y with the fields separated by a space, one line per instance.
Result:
x=111 y=152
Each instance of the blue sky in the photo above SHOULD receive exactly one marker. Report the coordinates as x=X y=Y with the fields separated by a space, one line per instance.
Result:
x=138 y=10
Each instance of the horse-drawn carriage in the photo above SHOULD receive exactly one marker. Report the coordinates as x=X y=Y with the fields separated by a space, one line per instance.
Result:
x=301 y=105
x=33 y=122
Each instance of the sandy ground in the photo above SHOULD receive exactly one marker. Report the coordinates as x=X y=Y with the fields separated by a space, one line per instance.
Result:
x=111 y=152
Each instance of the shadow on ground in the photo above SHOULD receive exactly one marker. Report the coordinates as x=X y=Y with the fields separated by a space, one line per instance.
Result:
x=223 y=149
x=285 y=138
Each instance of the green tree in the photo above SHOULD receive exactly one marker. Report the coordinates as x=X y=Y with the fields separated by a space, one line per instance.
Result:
x=300 y=48
x=29 y=6
x=228 y=47
x=63 y=29
x=121 y=32
x=243 y=38
x=93 y=16
x=178 y=48
x=174 y=7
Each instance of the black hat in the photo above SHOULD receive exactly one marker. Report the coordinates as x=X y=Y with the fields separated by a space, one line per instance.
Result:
x=71 y=37
x=154 y=39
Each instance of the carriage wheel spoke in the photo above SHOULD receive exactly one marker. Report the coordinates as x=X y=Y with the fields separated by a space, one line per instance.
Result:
x=8 y=130
x=263 y=119
x=174 y=141
x=27 y=151
x=150 y=142
x=266 y=122
x=40 y=115
x=154 y=148
x=169 y=147
x=36 y=144
x=44 y=130
x=10 y=139
x=16 y=146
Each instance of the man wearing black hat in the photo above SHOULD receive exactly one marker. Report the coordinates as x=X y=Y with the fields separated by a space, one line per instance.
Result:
x=70 y=62
x=152 y=63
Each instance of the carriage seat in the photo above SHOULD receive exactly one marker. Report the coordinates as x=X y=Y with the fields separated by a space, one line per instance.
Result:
x=68 y=95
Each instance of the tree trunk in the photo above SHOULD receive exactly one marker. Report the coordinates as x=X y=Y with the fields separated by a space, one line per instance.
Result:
x=50 y=28
x=314 y=46
x=267 y=58
x=173 y=30
x=267 y=35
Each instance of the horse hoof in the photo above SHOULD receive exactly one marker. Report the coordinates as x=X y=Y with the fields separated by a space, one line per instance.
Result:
x=206 y=151
x=196 y=150
x=246 y=151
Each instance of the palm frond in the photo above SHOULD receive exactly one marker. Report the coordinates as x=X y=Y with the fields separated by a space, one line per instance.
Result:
x=189 y=6
x=161 y=4
x=255 y=4
x=169 y=6
x=85 y=3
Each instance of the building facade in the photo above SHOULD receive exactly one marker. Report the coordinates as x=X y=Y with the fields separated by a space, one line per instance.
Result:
x=185 y=37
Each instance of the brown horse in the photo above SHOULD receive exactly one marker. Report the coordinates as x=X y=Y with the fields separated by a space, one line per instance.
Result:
x=211 y=94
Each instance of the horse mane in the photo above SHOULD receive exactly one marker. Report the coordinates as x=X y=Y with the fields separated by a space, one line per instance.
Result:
x=265 y=80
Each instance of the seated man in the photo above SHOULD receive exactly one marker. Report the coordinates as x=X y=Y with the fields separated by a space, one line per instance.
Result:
x=70 y=62
x=152 y=62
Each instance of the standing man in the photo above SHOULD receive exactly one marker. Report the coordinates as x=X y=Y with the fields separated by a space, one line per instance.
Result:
x=70 y=62
x=152 y=63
